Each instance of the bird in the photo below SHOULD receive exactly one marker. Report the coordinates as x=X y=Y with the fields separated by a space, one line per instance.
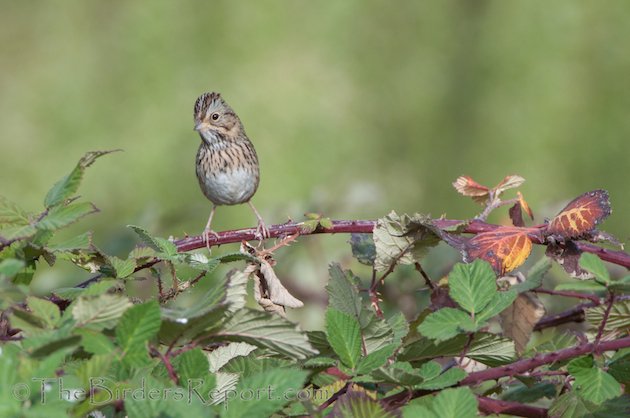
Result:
x=227 y=164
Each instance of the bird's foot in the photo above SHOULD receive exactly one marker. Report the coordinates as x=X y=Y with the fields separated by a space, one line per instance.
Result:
x=206 y=236
x=262 y=232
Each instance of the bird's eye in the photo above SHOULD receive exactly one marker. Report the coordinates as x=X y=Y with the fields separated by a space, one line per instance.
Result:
x=215 y=116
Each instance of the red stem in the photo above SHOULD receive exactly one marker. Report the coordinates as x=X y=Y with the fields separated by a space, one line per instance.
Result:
x=525 y=365
x=496 y=406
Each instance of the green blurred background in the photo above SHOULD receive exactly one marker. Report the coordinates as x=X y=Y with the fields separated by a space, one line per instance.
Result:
x=355 y=107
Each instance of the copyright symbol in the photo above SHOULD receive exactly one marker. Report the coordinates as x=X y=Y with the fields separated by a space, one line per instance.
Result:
x=21 y=391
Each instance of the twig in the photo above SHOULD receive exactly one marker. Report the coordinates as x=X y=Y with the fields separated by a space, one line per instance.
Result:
x=426 y=277
x=496 y=406
x=374 y=299
x=620 y=258
x=334 y=397
x=167 y=364
x=600 y=330
x=575 y=314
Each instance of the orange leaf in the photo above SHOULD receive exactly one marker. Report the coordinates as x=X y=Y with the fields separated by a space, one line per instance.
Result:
x=524 y=205
x=581 y=215
x=509 y=182
x=505 y=248
x=469 y=187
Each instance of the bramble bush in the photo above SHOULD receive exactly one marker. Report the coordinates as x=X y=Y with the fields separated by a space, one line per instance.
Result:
x=95 y=350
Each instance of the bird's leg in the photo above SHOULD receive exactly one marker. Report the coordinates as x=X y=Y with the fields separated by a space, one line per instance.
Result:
x=261 y=230
x=207 y=231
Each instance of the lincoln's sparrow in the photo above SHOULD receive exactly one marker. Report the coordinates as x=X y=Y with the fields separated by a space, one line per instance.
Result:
x=227 y=164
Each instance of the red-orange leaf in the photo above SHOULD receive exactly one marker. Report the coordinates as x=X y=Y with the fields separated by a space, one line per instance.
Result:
x=581 y=215
x=505 y=248
x=469 y=187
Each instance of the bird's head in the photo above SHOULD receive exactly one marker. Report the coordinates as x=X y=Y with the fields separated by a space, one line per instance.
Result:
x=213 y=116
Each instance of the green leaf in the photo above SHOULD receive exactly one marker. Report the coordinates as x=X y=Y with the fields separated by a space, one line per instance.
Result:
x=490 y=349
x=69 y=184
x=618 y=318
x=356 y=404
x=344 y=336
x=94 y=342
x=10 y=267
x=570 y=405
x=529 y=394
x=268 y=392
x=593 y=384
x=99 y=312
x=80 y=242
x=446 y=379
x=266 y=330
x=595 y=266
x=11 y=214
x=343 y=294
x=444 y=324
x=193 y=371
x=158 y=244
x=61 y=216
x=620 y=286
x=138 y=325
x=535 y=276
x=586 y=286
x=122 y=268
x=375 y=359
x=472 y=285
x=455 y=403
x=363 y=248
x=500 y=302
x=44 y=310
x=400 y=373
x=403 y=239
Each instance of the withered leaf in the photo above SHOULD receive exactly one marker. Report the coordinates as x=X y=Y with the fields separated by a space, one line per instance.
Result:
x=580 y=217
x=518 y=320
x=468 y=187
x=505 y=248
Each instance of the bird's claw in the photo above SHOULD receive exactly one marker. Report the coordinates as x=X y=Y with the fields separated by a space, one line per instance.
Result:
x=262 y=232
x=206 y=236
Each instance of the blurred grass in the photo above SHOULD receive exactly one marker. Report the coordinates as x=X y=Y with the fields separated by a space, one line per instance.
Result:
x=355 y=107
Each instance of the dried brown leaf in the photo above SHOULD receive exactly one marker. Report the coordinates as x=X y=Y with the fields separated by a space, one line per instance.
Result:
x=518 y=320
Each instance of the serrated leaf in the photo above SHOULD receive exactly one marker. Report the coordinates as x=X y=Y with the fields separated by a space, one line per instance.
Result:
x=44 y=310
x=69 y=184
x=570 y=405
x=594 y=265
x=355 y=404
x=444 y=324
x=402 y=239
x=375 y=359
x=219 y=357
x=12 y=214
x=192 y=364
x=138 y=325
x=344 y=336
x=282 y=381
x=122 y=268
x=593 y=384
x=265 y=330
x=472 y=285
x=158 y=244
x=400 y=373
x=455 y=403
x=99 y=312
x=363 y=248
x=80 y=242
x=618 y=318
x=236 y=292
x=343 y=294
x=61 y=216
